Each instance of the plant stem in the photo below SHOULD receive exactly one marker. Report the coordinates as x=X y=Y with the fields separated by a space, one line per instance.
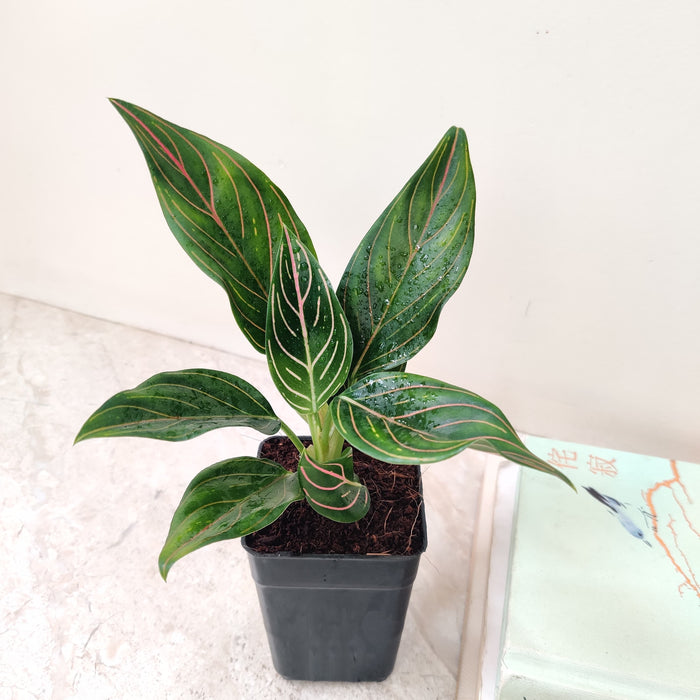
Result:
x=327 y=442
x=335 y=440
x=292 y=436
x=315 y=422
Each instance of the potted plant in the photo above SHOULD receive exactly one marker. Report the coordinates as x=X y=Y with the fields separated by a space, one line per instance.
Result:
x=338 y=358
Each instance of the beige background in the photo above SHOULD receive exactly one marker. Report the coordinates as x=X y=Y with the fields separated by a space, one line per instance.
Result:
x=580 y=313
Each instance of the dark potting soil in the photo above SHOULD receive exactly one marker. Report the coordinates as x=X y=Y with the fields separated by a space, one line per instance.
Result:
x=393 y=524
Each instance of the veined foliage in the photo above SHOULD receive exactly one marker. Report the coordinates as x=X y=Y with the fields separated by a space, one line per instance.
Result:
x=226 y=500
x=223 y=210
x=406 y=418
x=182 y=405
x=309 y=346
x=412 y=260
x=338 y=361
x=331 y=488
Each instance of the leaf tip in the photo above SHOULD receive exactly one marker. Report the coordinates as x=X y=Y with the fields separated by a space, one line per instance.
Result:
x=454 y=132
x=163 y=568
x=80 y=436
x=122 y=106
x=565 y=479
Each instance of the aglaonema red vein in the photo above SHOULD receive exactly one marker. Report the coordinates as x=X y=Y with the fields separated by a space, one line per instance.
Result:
x=338 y=360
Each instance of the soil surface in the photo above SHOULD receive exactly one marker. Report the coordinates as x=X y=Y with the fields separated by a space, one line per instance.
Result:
x=393 y=525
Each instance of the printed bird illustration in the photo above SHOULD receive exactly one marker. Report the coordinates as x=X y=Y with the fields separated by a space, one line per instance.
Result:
x=619 y=511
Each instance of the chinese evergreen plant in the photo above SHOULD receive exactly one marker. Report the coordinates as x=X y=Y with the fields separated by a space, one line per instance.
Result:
x=338 y=358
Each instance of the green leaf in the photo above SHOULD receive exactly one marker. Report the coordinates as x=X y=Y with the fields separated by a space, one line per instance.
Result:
x=406 y=418
x=331 y=488
x=309 y=347
x=226 y=500
x=223 y=210
x=411 y=261
x=182 y=405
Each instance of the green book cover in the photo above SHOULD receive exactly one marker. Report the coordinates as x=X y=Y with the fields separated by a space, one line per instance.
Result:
x=602 y=595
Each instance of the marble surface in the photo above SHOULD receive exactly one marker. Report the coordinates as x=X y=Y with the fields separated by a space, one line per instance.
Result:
x=83 y=610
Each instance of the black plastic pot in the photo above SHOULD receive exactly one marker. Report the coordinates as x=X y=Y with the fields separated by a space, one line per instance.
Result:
x=334 y=617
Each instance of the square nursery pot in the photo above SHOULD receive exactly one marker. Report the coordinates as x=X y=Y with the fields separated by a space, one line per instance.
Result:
x=334 y=617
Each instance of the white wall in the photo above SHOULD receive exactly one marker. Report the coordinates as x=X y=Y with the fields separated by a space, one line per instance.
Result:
x=580 y=313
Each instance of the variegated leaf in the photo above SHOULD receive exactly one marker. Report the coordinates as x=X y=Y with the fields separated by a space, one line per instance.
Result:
x=224 y=211
x=181 y=405
x=331 y=488
x=407 y=418
x=411 y=261
x=309 y=347
x=226 y=500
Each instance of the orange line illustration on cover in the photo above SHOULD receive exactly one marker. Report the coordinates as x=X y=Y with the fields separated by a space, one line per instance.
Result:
x=670 y=534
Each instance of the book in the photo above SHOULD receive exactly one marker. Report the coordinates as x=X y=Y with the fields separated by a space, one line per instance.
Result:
x=589 y=594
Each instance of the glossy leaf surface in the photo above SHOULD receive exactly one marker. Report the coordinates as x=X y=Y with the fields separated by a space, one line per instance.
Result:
x=181 y=405
x=226 y=500
x=331 y=489
x=412 y=260
x=407 y=418
x=224 y=211
x=309 y=347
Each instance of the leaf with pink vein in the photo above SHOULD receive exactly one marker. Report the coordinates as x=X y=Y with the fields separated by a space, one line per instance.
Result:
x=223 y=210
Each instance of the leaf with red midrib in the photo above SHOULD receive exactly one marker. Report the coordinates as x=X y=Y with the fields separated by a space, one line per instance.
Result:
x=331 y=488
x=411 y=261
x=223 y=210
x=405 y=418
x=309 y=347
x=182 y=405
x=226 y=500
